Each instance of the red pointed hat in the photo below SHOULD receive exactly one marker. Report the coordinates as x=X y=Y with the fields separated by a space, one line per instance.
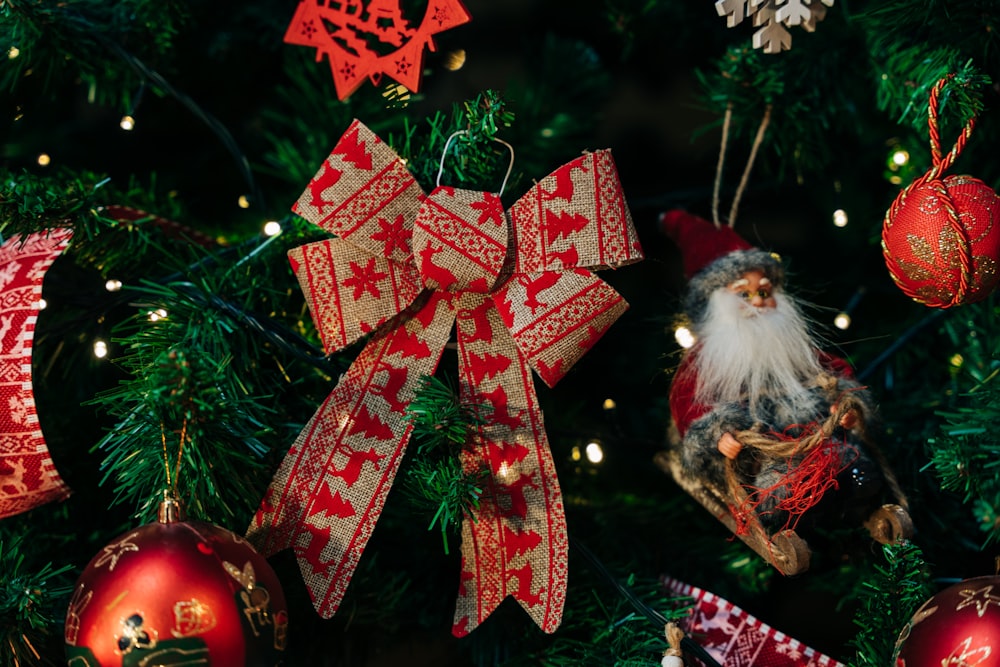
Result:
x=714 y=256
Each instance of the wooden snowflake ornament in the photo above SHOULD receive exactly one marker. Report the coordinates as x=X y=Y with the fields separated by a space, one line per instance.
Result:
x=369 y=38
x=771 y=18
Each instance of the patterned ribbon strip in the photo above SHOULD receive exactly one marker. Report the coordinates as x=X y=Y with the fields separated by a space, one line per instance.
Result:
x=28 y=477
x=735 y=638
x=407 y=268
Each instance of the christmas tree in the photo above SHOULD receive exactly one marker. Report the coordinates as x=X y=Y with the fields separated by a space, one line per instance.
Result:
x=163 y=163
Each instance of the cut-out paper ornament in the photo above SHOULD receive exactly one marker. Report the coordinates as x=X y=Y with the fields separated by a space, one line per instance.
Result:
x=369 y=38
x=28 y=477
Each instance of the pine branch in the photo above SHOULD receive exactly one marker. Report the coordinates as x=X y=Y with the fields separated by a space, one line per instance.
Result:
x=887 y=603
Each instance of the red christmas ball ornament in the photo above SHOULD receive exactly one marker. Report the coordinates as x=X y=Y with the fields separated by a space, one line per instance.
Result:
x=959 y=626
x=177 y=592
x=941 y=236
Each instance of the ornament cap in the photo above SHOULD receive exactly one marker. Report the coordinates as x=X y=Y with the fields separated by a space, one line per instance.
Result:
x=169 y=510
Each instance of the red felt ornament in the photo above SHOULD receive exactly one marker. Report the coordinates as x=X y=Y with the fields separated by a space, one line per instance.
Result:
x=940 y=238
x=958 y=626
x=369 y=38
x=177 y=592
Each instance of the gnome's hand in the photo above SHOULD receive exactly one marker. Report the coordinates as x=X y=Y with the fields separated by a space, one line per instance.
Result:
x=847 y=420
x=729 y=446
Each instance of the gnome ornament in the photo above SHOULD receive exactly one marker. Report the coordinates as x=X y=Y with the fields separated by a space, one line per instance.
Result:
x=769 y=432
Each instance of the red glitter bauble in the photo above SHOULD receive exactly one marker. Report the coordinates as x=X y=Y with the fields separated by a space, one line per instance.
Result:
x=941 y=241
x=177 y=593
x=959 y=626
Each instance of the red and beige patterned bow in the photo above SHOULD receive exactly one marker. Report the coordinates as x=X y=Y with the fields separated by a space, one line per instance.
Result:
x=406 y=268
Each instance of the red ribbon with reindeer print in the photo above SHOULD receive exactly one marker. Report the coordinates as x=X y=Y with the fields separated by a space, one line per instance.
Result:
x=407 y=268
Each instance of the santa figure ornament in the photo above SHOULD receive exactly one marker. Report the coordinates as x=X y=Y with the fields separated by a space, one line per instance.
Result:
x=940 y=237
x=768 y=432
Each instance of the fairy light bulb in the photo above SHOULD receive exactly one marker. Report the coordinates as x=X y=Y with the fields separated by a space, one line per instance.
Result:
x=13 y=52
x=455 y=60
x=575 y=454
x=957 y=360
x=594 y=452
x=272 y=228
x=158 y=314
x=42 y=304
x=609 y=404
x=840 y=218
x=842 y=321
x=127 y=123
x=113 y=285
x=684 y=337
x=100 y=349
x=243 y=201
x=900 y=157
x=44 y=160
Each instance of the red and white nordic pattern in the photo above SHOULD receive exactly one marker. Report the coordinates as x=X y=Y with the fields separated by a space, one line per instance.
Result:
x=28 y=477
x=408 y=268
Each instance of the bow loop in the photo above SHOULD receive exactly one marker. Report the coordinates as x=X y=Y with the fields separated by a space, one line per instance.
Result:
x=364 y=194
x=460 y=239
x=575 y=217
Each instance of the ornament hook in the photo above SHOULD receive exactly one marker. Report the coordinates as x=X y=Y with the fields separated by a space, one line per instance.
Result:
x=444 y=153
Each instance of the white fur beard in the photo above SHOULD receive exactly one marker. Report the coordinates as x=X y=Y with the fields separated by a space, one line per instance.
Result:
x=765 y=357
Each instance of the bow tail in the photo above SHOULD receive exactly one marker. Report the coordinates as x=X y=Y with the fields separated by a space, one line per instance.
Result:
x=328 y=493
x=516 y=544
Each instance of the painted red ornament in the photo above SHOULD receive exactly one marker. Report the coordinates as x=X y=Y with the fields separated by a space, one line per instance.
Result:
x=941 y=237
x=177 y=592
x=369 y=38
x=958 y=627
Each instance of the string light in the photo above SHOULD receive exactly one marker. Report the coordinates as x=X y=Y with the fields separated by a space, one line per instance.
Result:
x=840 y=218
x=13 y=52
x=842 y=321
x=113 y=285
x=594 y=451
x=158 y=314
x=42 y=304
x=455 y=60
x=272 y=228
x=127 y=123
x=900 y=157
x=609 y=404
x=957 y=360
x=684 y=337
x=44 y=160
x=575 y=454
x=100 y=349
x=243 y=201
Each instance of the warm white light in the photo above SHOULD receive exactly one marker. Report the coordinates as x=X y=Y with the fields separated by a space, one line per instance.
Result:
x=157 y=314
x=575 y=454
x=243 y=201
x=594 y=452
x=272 y=228
x=957 y=360
x=609 y=404
x=840 y=218
x=44 y=159
x=13 y=52
x=113 y=285
x=42 y=304
x=842 y=321
x=100 y=349
x=900 y=157
x=127 y=123
x=684 y=337
x=454 y=60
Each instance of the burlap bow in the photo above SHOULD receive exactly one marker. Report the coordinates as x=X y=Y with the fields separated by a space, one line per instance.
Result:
x=405 y=268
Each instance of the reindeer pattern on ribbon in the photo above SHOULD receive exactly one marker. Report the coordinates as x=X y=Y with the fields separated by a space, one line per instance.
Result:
x=406 y=269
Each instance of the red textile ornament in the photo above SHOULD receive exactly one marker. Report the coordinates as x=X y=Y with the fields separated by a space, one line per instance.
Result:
x=177 y=592
x=28 y=477
x=940 y=237
x=409 y=267
x=959 y=626
x=368 y=38
x=735 y=638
